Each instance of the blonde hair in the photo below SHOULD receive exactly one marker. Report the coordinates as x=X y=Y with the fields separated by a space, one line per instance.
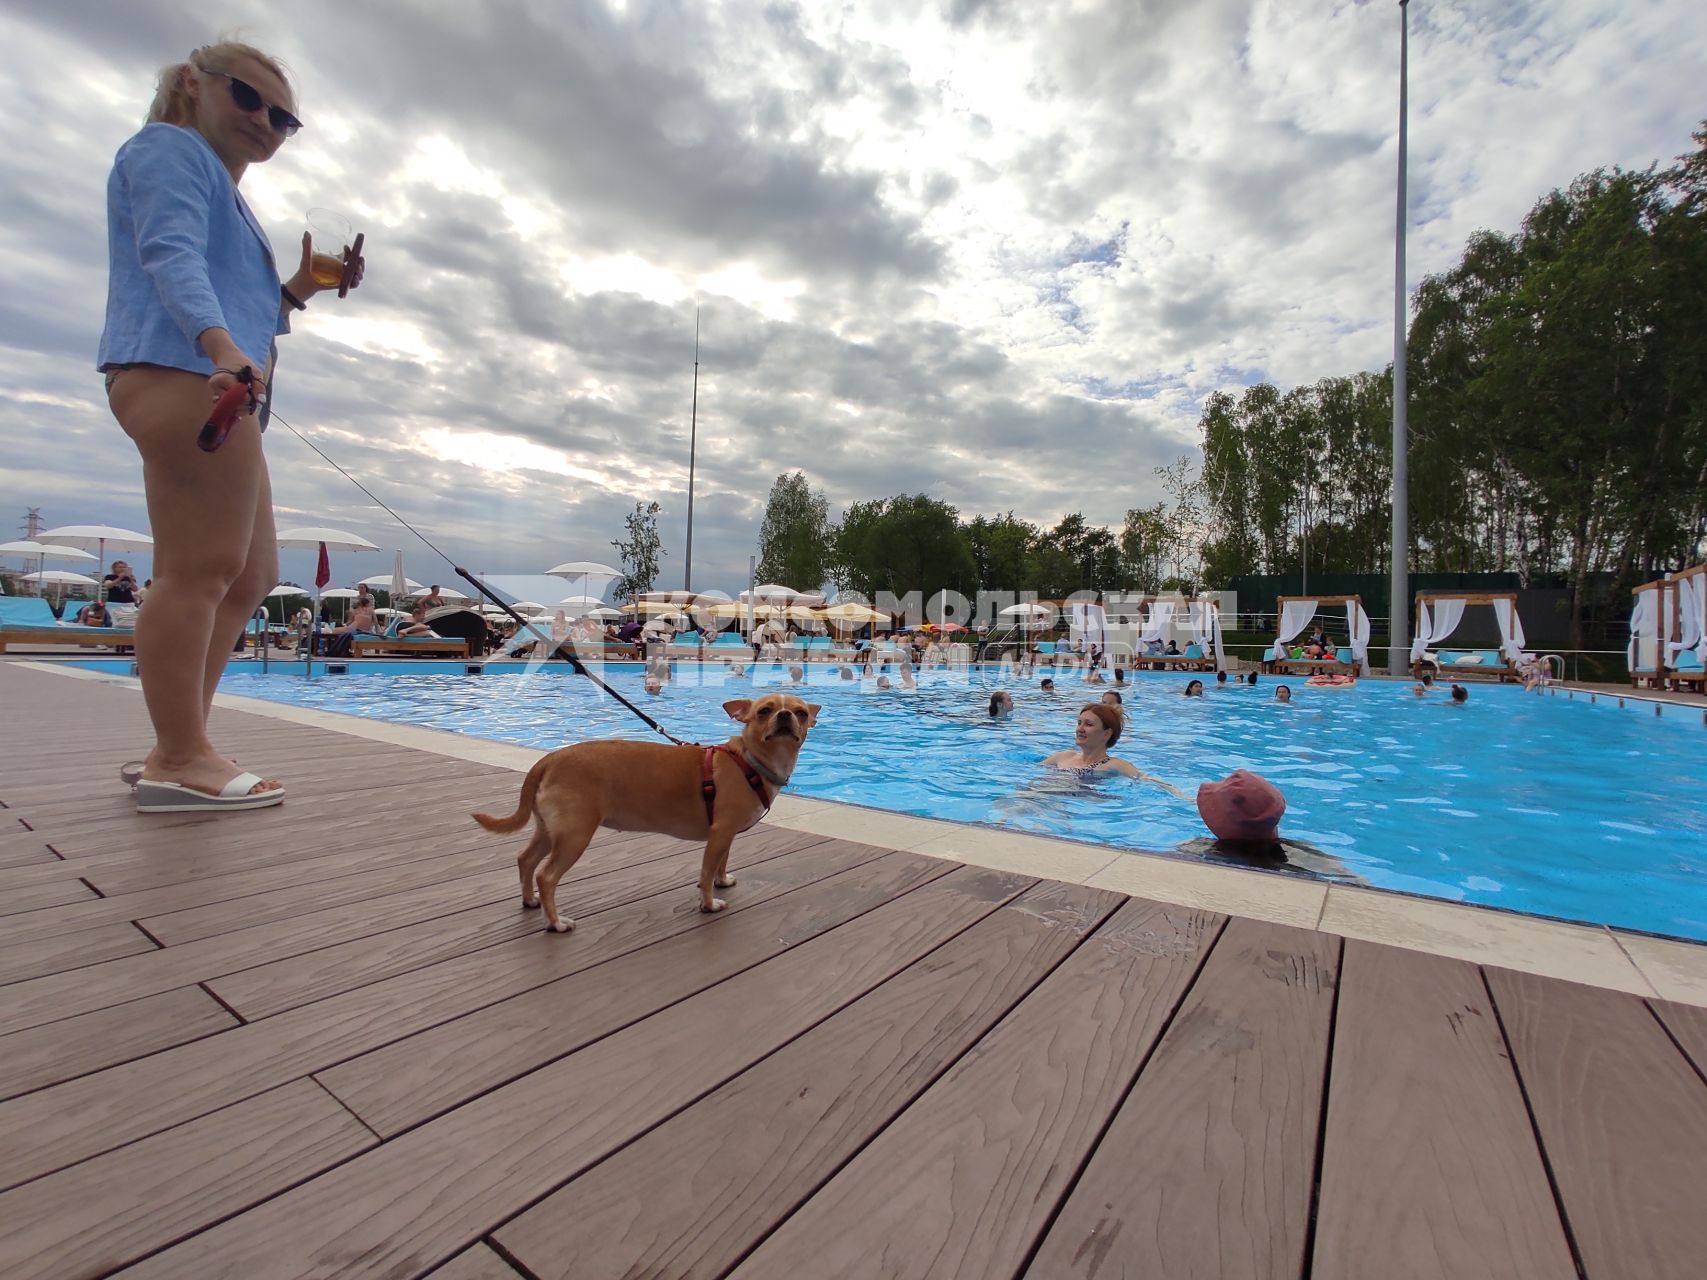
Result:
x=172 y=102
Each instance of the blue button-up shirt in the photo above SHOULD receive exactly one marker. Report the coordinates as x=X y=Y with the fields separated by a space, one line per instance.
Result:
x=185 y=255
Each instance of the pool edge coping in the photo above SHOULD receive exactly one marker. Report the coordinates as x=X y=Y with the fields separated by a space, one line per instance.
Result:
x=1595 y=955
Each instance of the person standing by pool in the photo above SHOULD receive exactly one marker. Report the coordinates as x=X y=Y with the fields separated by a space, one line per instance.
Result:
x=1095 y=733
x=193 y=303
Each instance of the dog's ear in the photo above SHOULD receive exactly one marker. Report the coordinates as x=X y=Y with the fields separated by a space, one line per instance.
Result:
x=739 y=708
x=812 y=709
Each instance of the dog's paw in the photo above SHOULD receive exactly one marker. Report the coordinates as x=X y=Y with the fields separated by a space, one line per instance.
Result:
x=725 y=882
x=717 y=904
x=531 y=903
x=564 y=925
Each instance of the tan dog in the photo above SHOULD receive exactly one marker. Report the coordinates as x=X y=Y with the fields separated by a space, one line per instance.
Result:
x=646 y=786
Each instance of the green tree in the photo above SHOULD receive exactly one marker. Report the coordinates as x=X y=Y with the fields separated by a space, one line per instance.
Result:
x=640 y=551
x=796 y=538
x=902 y=544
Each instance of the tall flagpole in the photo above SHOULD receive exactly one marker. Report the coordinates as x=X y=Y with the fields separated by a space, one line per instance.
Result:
x=693 y=444
x=1399 y=605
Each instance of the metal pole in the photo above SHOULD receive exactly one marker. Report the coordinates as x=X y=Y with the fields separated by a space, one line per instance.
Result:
x=1399 y=617
x=693 y=445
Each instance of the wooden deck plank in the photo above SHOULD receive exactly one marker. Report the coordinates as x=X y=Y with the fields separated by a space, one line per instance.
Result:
x=77 y=1046
x=1207 y=1168
x=272 y=988
x=190 y=924
x=33 y=959
x=1430 y=1165
x=26 y=852
x=108 y=1211
x=53 y=1127
x=401 y=1085
x=60 y=995
x=690 y=1197
x=1687 y=1024
x=225 y=887
x=1623 y=1121
x=216 y=846
x=988 y=1150
x=65 y=887
x=421 y=1197
x=480 y=1262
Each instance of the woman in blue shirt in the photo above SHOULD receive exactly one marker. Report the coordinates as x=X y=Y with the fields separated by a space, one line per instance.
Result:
x=193 y=299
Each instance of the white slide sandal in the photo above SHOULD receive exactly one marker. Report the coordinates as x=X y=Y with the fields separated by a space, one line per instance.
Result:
x=173 y=797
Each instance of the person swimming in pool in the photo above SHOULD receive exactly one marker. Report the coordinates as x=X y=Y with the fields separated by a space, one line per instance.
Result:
x=1098 y=729
x=1283 y=693
x=1193 y=689
x=1001 y=704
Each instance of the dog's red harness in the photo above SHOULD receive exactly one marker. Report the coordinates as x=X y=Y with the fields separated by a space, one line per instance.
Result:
x=708 y=784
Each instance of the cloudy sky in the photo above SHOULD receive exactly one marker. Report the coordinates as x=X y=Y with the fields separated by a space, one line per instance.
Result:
x=997 y=251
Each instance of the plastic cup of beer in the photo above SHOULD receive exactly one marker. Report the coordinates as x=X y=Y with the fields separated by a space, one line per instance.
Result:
x=331 y=232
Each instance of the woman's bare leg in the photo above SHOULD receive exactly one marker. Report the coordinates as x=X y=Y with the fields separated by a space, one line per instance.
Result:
x=260 y=571
x=202 y=507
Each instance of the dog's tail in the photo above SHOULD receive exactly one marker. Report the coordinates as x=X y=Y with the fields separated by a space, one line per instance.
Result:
x=524 y=807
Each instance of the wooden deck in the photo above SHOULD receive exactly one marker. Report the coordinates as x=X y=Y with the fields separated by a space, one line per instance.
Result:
x=326 y=1040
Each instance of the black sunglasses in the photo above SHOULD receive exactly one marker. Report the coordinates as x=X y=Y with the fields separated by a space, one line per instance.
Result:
x=249 y=99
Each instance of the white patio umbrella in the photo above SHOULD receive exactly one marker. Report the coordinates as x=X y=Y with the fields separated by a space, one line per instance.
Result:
x=449 y=593
x=773 y=592
x=288 y=589
x=529 y=606
x=577 y=606
x=61 y=578
x=1028 y=613
x=606 y=613
x=42 y=551
x=384 y=580
x=586 y=571
x=98 y=536
x=335 y=539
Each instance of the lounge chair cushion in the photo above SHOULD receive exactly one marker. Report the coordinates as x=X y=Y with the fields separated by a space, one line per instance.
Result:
x=1192 y=651
x=1688 y=660
x=1469 y=659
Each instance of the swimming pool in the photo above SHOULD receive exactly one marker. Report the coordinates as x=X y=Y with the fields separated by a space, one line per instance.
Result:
x=1530 y=803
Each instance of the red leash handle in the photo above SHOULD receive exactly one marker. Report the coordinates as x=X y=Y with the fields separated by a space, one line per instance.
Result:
x=226 y=410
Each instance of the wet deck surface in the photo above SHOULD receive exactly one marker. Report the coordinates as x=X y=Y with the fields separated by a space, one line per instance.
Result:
x=326 y=1040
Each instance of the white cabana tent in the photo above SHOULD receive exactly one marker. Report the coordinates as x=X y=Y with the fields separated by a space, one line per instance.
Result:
x=1439 y=614
x=1297 y=612
x=1668 y=631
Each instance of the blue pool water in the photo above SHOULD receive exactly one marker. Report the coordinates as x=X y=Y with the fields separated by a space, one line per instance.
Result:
x=1531 y=803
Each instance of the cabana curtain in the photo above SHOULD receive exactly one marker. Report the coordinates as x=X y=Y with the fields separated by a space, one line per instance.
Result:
x=1432 y=629
x=1641 y=627
x=1357 y=622
x=1161 y=613
x=1511 y=630
x=1206 y=630
x=1692 y=617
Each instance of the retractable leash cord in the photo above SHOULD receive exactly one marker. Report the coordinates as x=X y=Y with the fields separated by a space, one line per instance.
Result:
x=561 y=648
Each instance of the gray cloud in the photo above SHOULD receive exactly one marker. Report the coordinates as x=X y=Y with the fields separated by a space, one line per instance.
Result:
x=995 y=253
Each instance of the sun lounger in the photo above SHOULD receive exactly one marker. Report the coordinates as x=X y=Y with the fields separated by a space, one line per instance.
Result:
x=1453 y=663
x=28 y=620
x=412 y=645
x=1341 y=664
x=1687 y=670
